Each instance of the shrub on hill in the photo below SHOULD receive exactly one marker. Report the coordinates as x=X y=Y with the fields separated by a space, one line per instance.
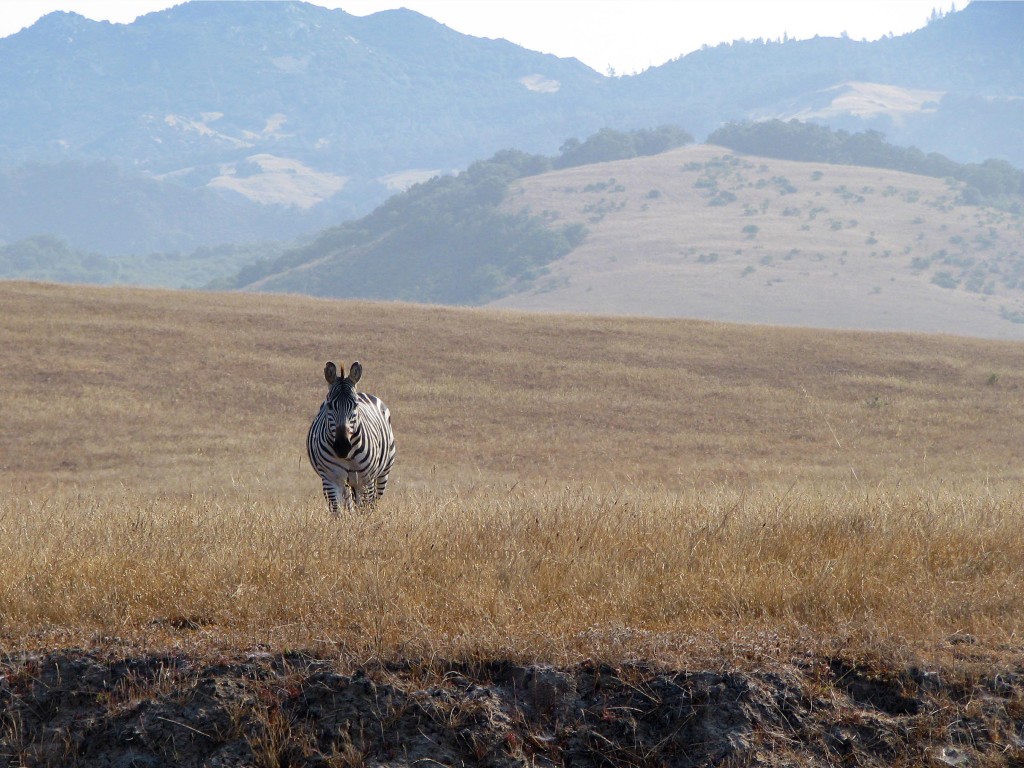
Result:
x=992 y=181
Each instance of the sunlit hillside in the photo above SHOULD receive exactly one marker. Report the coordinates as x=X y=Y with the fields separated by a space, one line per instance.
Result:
x=707 y=233
x=176 y=392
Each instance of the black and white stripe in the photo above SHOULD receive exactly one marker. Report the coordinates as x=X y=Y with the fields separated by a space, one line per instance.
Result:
x=350 y=443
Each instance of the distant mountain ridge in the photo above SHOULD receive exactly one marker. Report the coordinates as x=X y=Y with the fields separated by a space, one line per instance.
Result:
x=265 y=104
x=212 y=81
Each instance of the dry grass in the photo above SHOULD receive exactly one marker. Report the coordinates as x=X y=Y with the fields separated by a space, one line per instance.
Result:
x=524 y=575
x=566 y=487
x=706 y=232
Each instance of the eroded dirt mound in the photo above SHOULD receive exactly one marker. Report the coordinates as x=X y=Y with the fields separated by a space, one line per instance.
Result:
x=89 y=709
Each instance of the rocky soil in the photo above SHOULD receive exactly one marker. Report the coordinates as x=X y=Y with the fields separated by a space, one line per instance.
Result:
x=95 y=708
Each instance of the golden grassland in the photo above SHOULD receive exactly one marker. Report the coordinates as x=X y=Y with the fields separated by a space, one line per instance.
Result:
x=706 y=232
x=567 y=486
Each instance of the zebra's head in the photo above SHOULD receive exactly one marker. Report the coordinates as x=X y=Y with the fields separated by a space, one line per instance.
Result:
x=341 y=399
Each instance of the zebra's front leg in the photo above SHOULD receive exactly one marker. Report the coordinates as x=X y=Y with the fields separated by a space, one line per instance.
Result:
x=379 y=486
x=361 y=496
x=368 y=498
x=331 y=494
x=348 y=498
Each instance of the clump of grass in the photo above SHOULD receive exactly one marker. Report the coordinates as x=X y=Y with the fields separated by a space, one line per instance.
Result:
x=547 y=574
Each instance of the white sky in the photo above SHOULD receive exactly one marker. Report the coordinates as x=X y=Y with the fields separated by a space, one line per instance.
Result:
x=626 y=35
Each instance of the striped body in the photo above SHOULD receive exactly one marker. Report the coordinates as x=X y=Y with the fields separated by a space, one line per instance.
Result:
x=350 y=442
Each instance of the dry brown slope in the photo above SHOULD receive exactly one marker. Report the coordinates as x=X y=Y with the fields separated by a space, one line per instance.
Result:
x=174 y=391
x=705 y=233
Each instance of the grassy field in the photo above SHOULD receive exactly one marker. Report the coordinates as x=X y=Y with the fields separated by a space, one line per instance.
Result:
x=709 y=233
x=566 y=486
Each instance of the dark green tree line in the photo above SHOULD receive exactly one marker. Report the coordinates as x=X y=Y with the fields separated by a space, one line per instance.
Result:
x=793 y=140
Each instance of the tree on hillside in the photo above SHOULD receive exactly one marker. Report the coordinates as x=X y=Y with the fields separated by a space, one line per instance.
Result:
x=794 y=140
x=608 y=144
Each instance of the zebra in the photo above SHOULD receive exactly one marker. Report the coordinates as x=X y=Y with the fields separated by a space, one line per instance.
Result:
x=350 y=442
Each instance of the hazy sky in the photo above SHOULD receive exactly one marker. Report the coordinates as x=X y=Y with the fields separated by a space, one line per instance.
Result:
x=628 y=36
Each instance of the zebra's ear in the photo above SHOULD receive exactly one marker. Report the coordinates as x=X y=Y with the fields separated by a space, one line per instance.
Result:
x=355 y=372
x=331 y=373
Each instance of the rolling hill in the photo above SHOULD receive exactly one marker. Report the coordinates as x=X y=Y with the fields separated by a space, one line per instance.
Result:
x=706 y=232
x=162 y=390
x=698 y=231
x=275 y=119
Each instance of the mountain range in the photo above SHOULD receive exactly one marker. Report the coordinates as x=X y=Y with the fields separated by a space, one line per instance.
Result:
x=225 y=122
